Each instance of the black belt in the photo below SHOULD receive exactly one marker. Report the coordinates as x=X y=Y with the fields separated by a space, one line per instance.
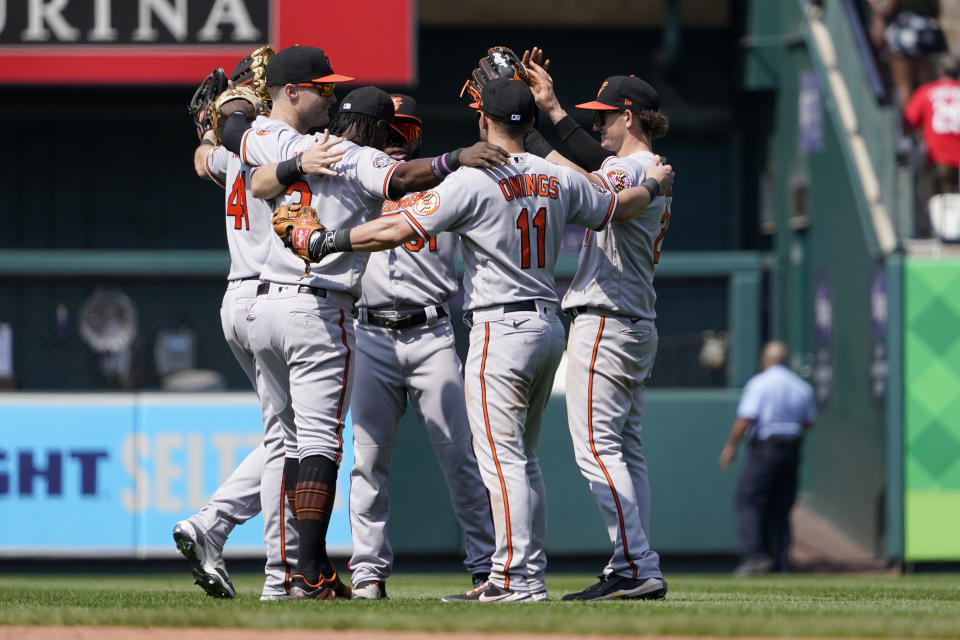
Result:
x=402 y=321
x=528 y=305
x=598 y=311
x=775 y=442
x=264 y=288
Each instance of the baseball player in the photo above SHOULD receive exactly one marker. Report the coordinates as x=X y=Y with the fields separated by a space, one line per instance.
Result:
x=200 y=538
x=613 y=339
x=302 y=330
x=406 y=348
x=510 y=220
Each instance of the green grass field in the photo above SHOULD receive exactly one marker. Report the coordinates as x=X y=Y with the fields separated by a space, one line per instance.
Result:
x=924 y=606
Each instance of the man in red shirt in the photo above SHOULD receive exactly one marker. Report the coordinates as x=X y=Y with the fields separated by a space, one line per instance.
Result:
x=936 y=107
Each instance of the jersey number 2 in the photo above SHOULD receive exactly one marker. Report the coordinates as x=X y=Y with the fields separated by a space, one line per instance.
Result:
x=658 y=243
x=237 y=203
x=523 y=223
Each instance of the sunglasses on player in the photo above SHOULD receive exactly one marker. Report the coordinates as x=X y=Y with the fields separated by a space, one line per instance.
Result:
x=408 y=131
x=600 y=116
x=325 y=88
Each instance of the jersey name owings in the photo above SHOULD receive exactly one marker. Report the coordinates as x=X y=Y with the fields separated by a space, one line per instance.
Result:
x=530 y=184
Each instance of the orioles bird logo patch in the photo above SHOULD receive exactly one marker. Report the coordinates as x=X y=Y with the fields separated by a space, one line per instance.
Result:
x=602 y=87
x=382 y=160
x=619 y=180
x=427 y=203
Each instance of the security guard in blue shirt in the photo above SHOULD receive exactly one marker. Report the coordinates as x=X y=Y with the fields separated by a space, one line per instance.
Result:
x=776 y=408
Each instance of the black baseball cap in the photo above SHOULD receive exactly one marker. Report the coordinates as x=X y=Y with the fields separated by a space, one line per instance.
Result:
x=508 y=101
x=406 y=107
x=297 y=64
x=371 y=101
x=624 y=92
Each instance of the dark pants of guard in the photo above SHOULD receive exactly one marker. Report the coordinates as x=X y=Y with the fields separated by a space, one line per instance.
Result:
x=765 y=495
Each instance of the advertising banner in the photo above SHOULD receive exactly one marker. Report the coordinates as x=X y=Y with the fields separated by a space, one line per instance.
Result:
x=179 y=41
x=110 y=474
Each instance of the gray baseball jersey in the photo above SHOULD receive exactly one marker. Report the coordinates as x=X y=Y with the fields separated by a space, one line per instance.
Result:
x=510 y=221
x=633 y=247
x=353 y=197
x=257 y=483
x=394 y=367
x=610 y=355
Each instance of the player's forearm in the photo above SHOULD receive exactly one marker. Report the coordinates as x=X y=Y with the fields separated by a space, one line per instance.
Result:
x=631 y=203
x=378 y=235
x=271 y=179
x=200 y=155
x=413 y=175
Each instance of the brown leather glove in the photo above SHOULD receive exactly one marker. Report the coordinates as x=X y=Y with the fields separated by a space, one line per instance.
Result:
x=295 y=223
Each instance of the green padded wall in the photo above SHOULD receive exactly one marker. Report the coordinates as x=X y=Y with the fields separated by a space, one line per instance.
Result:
x=932 y=410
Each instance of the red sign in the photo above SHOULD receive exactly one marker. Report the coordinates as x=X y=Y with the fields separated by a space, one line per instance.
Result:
x=180 y=41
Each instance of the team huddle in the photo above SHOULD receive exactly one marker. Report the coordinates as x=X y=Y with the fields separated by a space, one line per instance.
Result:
x=342 y=243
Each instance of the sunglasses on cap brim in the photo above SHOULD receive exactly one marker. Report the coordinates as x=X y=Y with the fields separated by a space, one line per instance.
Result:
x=409 y=131
x=325 y=88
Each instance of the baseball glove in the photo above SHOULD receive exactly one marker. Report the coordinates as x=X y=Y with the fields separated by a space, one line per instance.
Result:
x=251 y=71
x=500 y=62
x=295 y=223
x=201 y=104
x=254 y=106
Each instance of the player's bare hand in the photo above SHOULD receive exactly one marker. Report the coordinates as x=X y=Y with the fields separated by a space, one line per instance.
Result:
x=318 y=159
x=543 y=94
x=484 y=156
x=662 y=173
x=535 y=55
x=726 y=457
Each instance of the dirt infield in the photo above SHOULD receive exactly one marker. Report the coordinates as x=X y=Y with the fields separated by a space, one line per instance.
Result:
x=173 y=633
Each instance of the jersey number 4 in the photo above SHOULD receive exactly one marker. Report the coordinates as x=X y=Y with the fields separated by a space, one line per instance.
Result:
x=523 y=223
x=237 y=203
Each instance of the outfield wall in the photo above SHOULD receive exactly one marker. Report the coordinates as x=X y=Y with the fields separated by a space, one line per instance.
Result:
x=110 y=474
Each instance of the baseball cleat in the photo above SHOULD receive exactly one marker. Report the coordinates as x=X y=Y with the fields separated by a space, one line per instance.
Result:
x=205 y=560
x=489 y=592
x=480 y=578
x=303 y=590
x=370 y=590
x=615 y=587
x=339 y=589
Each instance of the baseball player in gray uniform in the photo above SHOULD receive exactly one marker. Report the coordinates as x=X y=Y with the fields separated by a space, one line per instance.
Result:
x=406 y=348
x=259 y=479
x=302 y=330
x=613 y=339
x=510 y=221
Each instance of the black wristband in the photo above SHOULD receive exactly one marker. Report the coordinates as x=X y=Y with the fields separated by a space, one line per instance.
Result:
x=452 y=160
x=208 y=141
x=651 y=185
x=341 y=240
x=289 y=171
x=535 y=143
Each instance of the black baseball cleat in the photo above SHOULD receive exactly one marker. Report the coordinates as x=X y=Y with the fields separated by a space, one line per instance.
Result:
x=300 y=589
x=616 y=587
x=339 y=589
x=370 y=590
x=479 y=578
x=205 y=560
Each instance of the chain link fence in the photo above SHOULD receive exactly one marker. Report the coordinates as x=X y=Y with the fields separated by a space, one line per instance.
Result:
x=149 y=333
